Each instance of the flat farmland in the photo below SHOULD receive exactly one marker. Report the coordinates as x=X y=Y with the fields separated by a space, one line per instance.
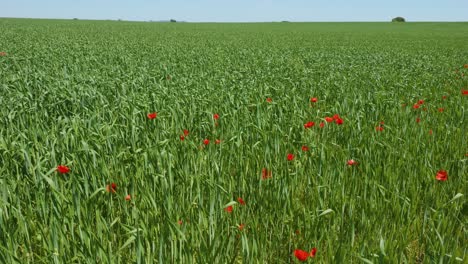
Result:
x=139 y=142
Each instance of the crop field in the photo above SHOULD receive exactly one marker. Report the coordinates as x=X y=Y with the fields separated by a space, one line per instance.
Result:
x=139 y=142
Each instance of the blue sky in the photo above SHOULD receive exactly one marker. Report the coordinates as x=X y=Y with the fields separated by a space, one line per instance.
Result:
x=240 y=10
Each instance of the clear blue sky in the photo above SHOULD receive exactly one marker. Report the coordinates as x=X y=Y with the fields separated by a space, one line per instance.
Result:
x=240 y=10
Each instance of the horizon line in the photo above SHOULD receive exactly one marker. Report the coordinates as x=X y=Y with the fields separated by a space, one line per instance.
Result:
x=274 y=21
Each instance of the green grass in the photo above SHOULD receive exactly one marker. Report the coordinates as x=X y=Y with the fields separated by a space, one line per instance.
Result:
x=77 y=93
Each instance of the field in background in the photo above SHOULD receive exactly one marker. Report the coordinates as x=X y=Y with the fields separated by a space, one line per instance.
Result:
x=77 y=93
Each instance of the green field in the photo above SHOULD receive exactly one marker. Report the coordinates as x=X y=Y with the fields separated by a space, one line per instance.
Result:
x=77 y=93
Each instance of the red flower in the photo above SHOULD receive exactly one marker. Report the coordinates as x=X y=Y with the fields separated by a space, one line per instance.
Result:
x=351 y=162
x=322 y=124
x=465 y=66
x=182 y=138
x=241 y=227
x=309 y=124
x=441 y=175
x=186 y=132
x=420 y=102
x=313 y=252
x=128 y=197
x=266 y=174
x=241 y=201
x=215 y=116
x=290 y=156
x=444 y=97
x=218 y=141
x=382 y=123
x=329 y=119
x=206 y=141
x=379 y=128
x=339 y=121
x=228 y=209
x=313 y=100
x=152 y=115
x=305 y=148
x=2 y=53
x=62 y=169
x=415 y=106
x=301 y=255
x=464 y=92
x=418 y=119
x=269 y=100
x=180 y=222
x=111 y=188
x=336 y=116
x=441 y=110
x=430 y=132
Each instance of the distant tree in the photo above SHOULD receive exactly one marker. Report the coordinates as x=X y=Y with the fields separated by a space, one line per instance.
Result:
x=284 y=21
x=173 y=20
x=398 y=19
x=75 y=18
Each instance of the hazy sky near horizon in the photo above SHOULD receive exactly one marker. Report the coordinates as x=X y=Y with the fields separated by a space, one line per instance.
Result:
x=240 y=10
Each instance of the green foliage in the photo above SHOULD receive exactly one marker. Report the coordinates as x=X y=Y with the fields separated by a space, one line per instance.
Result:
x=398 y=19
x=77 y=93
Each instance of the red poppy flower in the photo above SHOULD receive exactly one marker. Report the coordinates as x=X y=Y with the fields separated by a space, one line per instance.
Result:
x=313 y=99
x=313 y=252
x=241 y=227
x=351 y=162
x=322 y=124
x=339 y=121
x=329 y=119
x=62 y=169
x=420 y=102
x=152 y=115
x=128 y=197
x=218 y=141
x=215 y=116
x=241 y=201
x=269 y=100
x=305 y=148
x=379 y=128
x=180 y=222
x=290 y=156
x=418 y=119
x=186 y=132
x=206 y=142
x=465 y=66
x=301 y=255
x=444 y=97
x=266 y=174
x=309 y=124
x=336 y=116
x=111 y=187
x=430 y=132
x=415 y=106
x=441 y=110
x=228 y=209
x=464 y=92
x=441 y=175
x=182 y=138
